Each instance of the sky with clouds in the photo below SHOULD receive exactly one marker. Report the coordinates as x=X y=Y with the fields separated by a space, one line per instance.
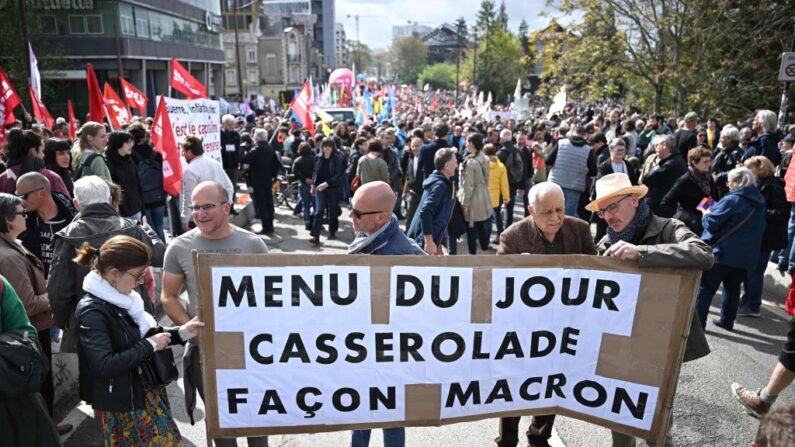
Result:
x=376 y=31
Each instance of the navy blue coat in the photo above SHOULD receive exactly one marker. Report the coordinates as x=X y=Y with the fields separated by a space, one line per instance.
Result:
x=738 y=250
x=433 y=212
x=767 y=145
x=427 y=152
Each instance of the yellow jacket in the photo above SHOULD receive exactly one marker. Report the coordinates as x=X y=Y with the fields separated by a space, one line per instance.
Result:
x=498 y=181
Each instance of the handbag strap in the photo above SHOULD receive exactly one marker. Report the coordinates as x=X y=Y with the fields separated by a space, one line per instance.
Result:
x=736 y=227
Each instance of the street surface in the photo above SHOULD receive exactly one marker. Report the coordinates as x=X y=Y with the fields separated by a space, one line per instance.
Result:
x=705 y=412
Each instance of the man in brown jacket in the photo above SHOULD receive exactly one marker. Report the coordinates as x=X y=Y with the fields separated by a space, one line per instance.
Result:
x=546 y=231
x=635 y=234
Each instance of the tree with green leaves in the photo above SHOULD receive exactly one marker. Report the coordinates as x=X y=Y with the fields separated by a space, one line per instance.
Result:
x=361 y=55
x=502 y=16
x=485 y=19
x=438 y=76
x=524 y=36
x=411 y=54
x=497 y=68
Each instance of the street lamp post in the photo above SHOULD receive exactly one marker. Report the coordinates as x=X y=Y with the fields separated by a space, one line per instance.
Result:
x=236 y=16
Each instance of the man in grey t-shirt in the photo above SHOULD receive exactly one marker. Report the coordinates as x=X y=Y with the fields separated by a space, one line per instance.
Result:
x=210 y=209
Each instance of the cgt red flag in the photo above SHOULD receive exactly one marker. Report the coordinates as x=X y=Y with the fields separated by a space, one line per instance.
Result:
x=118 y=113
x=302 y=107
x=39 y=111
x=164 y=142
x=96 y=104
x=135 y=98
x=183 y=81
x=72 y=120
x=8 y=101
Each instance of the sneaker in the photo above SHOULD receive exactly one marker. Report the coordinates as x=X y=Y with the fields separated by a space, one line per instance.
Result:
x=745 y=312
x=751 y=400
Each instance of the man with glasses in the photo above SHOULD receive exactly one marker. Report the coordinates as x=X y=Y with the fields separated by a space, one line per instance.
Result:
x=546 y=231
x=50 y=211
x=200 y=169
x=634 y=233
x=378 y=233
x=209 y=207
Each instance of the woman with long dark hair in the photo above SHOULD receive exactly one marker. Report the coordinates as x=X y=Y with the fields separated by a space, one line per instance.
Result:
x=149 y=165
x=124 y=174
x=25 y=152
x=58 y=159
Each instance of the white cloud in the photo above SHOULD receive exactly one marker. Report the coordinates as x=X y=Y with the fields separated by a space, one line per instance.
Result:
x=378 y=17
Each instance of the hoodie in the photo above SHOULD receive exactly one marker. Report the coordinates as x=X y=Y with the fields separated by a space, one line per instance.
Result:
x=727 y=214
x=433 y=212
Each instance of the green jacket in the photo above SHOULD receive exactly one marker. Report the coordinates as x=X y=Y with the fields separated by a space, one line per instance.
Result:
x=12 y=313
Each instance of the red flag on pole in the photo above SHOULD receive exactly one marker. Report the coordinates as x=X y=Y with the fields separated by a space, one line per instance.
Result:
x=135 y=98
x=183 y=81
x=164 y=142
x=302 y=107
x=72 y=121
x=8 y=101
x=118 y=113
x=96 y=105
x=39 y=111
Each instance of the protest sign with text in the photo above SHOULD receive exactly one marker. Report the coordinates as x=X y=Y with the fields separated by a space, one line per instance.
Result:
x=197 y=117
x=302 y=344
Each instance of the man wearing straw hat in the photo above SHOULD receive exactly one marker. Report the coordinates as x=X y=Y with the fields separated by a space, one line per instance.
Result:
x=635 y=234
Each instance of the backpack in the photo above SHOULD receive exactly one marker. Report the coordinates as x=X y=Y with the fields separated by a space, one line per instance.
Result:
x=85 y=168
x=23 y=365
x=514 y=164
x=150 y=177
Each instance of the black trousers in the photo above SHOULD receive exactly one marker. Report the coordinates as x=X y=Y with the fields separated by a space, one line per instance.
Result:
x=47 y=388
x=540 y=429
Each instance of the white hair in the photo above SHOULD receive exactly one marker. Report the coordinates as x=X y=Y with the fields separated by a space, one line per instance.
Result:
x=730 y=132
x=542 y=188
x=226 y=119
x=506 y=135
x=90 y=190
x=741 y=177
x=260 y=135
x=768 y=119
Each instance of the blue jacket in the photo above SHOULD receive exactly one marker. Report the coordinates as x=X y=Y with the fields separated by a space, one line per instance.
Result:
x=767 y=145
x=433 y=212
x=741 y=248
x=389 y=240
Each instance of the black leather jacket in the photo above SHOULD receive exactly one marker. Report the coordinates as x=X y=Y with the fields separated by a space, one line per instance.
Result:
x=110 y=349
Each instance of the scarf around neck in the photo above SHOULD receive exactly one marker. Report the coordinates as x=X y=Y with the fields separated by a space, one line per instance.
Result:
x=701 y=179
x=639 y=223
x=132 y=303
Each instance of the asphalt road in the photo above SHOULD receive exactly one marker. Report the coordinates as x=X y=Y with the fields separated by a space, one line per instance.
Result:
x=705 y=413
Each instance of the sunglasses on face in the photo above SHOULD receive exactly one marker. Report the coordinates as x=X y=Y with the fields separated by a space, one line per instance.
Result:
x=23 y=213
x=24 y=196
x=359 y=214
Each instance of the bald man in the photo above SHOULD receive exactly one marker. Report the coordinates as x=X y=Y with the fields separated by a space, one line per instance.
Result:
x=209 y=208
x=378 y=233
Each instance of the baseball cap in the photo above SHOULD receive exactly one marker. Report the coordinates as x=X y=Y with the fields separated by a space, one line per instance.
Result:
x=691 y=116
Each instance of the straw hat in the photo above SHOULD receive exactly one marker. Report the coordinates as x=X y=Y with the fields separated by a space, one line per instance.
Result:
x=614 y=185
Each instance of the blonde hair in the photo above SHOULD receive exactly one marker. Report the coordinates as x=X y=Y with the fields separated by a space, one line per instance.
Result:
x=91 y=128
x=761 y=166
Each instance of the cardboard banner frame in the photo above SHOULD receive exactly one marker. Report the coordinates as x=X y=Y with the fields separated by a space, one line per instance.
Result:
x=664 y=312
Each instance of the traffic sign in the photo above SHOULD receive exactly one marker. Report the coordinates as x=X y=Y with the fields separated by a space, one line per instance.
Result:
x=787 y=72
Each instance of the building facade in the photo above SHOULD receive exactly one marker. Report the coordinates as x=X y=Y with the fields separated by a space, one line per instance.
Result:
x=443 y=44
x=401 y=31
x=135 y=39
x=241 y=48
x=342 y=46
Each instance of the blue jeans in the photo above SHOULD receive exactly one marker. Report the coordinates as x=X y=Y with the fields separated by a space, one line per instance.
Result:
x=305 y=202
x=346 y=187
x=572 y=199
x=325 y=203
x=731 y=277
x=479 y=232
x=787 y=257
x=755 y=283
x=154 y=217
x=393 y=437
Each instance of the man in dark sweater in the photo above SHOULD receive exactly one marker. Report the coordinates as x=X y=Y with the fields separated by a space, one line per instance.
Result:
x=428 y=150
x=686 y=138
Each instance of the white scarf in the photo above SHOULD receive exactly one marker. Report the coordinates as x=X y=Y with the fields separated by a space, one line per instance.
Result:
x=132 y=303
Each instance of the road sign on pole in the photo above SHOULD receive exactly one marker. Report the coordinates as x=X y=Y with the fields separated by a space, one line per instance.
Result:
x=787 y=72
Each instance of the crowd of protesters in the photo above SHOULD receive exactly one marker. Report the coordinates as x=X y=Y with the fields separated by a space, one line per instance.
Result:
x=83 y=223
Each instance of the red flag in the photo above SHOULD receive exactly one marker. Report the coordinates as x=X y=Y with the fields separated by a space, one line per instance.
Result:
x=96 y=105
x=433 y=104
x=183 y=81
x=39 y=111
x=9 y=99
x=118 y=113
x=302 y=107
x=164 y=142
x=135 y=98
x=72 y=120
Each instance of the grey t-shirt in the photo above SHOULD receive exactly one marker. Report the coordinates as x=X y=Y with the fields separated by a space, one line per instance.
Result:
x=179 y=255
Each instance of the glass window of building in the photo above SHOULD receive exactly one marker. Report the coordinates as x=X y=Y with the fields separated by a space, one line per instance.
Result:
x=127 y=25
x=270 y=64
x=77 y=25
x=253 y=76
x=229 y=54
x=94 y=24
x=251 y=54
x=142 y=26
x=231 y=77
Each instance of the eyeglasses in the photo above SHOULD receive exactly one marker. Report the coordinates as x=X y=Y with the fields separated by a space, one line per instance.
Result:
x=359 y=214
x=23 y=213
x=139 y=277
x=206 y=207
x=24 y=196
x=612 y=208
